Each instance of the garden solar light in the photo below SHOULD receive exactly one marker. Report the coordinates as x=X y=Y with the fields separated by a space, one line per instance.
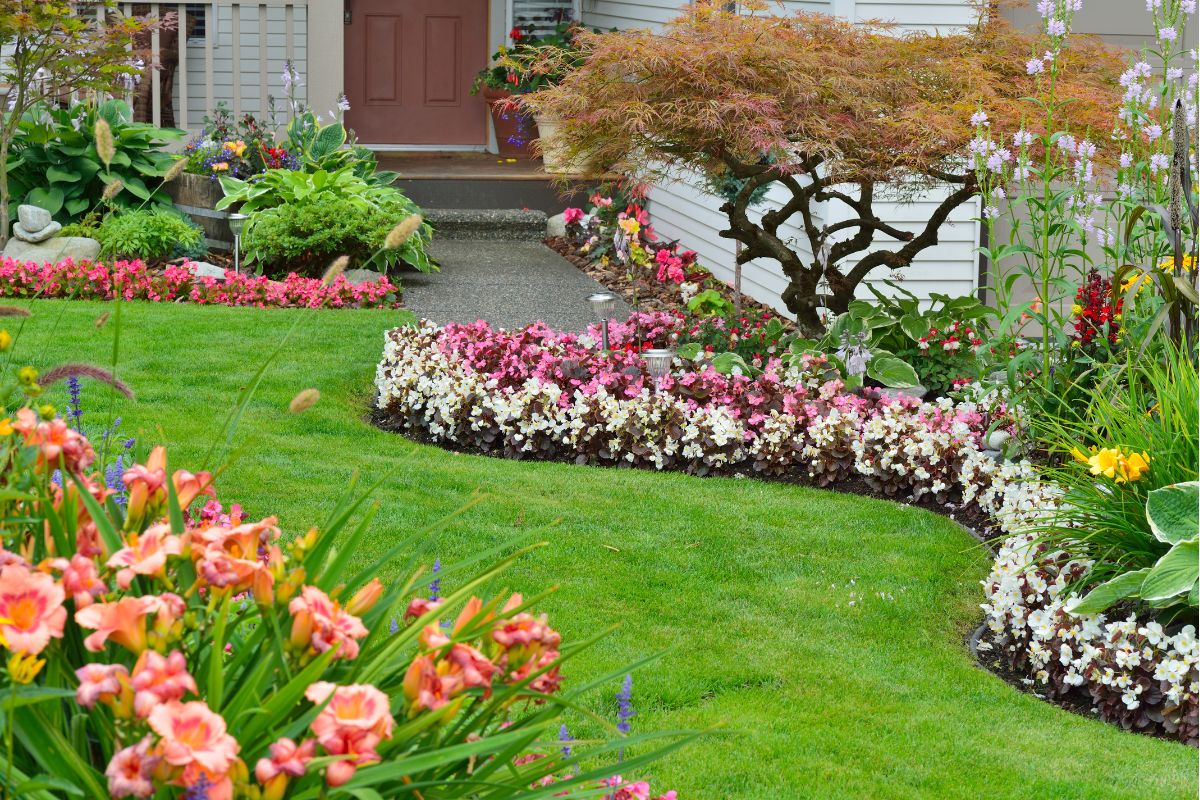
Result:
x=603 y=304
x=236 y=223
x=658 y=362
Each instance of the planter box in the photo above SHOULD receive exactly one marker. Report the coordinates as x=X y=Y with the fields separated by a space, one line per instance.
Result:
x=196 y=196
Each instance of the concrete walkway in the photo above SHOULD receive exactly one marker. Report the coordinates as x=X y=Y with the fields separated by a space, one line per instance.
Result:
x=509 y=284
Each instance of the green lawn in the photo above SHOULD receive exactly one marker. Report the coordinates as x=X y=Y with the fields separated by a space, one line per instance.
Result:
x=749 y=584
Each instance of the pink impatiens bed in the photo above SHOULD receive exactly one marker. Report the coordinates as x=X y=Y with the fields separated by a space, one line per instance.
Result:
x=132 y=280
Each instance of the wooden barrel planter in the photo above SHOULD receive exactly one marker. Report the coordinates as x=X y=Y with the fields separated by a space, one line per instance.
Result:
x=196 y=196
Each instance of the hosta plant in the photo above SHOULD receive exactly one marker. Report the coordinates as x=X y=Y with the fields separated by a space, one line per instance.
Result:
x=160 y=650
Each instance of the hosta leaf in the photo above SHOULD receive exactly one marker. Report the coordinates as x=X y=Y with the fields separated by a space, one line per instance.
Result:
x=1104 y=595
x=1174 y=512
x=50 y=199
x=61 y=175
x=1175 y=573
x=893 y=372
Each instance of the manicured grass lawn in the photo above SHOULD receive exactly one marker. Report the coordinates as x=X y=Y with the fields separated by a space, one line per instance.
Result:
x=749 y=584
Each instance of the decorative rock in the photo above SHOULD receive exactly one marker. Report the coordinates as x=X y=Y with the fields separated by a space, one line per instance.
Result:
x=556 y=226
x=60 y=248
x=359 y=276
x=203 y=269
x=909 y=391
x=35 y=224
x=33 y=218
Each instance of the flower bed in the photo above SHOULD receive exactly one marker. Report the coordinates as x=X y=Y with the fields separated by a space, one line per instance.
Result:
x=537 y=393
x=86 y=280
x=1134 y=673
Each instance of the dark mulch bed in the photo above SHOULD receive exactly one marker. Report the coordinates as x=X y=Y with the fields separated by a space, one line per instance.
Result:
x=650 y=295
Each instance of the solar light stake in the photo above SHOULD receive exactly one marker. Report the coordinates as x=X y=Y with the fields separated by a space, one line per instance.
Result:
x=236 y=223
x=603 y=305
x=658 y=363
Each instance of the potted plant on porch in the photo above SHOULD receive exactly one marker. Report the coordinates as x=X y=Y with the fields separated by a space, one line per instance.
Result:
x=534 y=63
x=515 y=128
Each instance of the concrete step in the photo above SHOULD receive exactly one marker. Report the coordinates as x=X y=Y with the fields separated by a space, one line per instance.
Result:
x=540 y=195
x=487 y=224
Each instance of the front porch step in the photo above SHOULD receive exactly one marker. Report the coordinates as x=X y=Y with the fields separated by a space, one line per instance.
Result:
x=468 y=193
x=490 y=224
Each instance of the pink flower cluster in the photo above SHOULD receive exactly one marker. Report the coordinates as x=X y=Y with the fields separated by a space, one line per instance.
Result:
x=535 y=393
x=132 y=280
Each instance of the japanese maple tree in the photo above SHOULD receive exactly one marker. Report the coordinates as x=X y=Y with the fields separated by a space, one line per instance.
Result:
x=828 y=111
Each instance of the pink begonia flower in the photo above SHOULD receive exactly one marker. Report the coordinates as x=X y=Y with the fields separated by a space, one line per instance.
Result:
x=130 y=772
x=100 y=683
x=354 y=721
x=145 y=554
x=287 y=759
x=32 y=604
x=159 y=679
x=59 y=445
x=572 y=216
x=320 y=623
x=124 y=620
x=193 y=738
x=80 y=579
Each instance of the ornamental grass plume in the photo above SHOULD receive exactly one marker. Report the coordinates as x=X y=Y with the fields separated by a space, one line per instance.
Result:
x=86 y=371
x=176 y=170
x=403 y=231
x=304 y=401
x=112 y=189
x=13 y=311
x=335 y=269
x=106 y=148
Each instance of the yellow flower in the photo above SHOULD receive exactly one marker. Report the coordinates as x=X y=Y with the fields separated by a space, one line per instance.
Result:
x=27 y=375
x=6 y=427
x=630 y=225
x=1079 y=455
x=6 y=341
x=1076 y=310
x=1168 y=264
x=1106 y=462
x=24 y=668
x=237 y=148
x=220 y=166
x=1135 y=465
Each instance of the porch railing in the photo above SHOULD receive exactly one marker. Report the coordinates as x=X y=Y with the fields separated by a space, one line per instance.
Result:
x=223 y=51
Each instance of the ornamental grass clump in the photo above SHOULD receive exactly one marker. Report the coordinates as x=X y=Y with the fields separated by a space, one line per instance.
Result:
x=160 y=647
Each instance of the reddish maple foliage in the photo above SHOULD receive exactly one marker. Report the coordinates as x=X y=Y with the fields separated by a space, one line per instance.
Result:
x=826 y=110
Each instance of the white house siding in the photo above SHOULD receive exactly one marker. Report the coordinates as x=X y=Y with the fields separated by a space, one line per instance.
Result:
x=681 y=210
x=257 y=24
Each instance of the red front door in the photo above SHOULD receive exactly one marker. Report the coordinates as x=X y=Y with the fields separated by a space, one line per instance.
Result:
x=409 y=68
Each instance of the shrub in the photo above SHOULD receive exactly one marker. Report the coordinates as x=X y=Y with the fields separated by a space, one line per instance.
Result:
x=304 y=237
x=346 y=196
x=149 y=235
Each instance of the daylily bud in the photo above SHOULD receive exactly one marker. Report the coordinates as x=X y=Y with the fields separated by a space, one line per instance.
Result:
x=301 y=630
x=365 y=598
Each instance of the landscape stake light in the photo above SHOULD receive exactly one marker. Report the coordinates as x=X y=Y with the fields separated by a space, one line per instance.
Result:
x=603 y=304
x=236 y=223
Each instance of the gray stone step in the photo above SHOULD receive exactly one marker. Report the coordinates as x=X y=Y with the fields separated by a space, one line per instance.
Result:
x=487 y=224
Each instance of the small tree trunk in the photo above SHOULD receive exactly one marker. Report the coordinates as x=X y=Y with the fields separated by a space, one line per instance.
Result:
x=4 y=199
x=800 y=297
x=737 y=279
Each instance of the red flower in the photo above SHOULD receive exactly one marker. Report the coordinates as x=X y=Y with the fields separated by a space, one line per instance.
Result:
x=516 y=35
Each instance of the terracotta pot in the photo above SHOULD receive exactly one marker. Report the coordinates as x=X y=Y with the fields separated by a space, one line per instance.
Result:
x=515 y=130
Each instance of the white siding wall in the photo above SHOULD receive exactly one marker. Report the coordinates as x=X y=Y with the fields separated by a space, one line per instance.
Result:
x=257 y=25
x=681 y=210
